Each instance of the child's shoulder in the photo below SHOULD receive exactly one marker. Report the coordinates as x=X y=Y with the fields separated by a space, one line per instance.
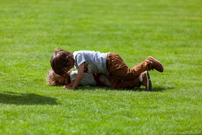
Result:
x=88 y=52
x=83 y=52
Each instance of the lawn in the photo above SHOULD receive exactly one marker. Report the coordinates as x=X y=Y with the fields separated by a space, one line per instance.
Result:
x=168 y=30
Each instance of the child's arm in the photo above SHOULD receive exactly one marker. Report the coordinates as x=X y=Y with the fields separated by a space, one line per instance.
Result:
x=79 y=76
x=68 y=86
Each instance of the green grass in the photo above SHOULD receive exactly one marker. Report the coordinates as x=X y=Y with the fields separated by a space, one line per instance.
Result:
x=168 y=30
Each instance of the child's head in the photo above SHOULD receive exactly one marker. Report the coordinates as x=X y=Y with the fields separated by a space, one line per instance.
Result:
x=62 y=61
x=54 y=79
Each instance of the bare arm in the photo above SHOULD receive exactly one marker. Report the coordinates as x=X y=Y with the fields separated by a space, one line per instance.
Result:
x=79 y=76
x=68 y=86
x=74 y=84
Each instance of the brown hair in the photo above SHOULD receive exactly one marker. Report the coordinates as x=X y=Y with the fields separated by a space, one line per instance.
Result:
x=54 y=79
x=61 y=61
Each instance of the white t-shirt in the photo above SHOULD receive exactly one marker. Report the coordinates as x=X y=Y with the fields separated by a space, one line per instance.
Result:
x=87 y=79
x=95 y=61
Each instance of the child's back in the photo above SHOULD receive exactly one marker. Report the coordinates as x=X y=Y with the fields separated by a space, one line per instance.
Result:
x=95 y=62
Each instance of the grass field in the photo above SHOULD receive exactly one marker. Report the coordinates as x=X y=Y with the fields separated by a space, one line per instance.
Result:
x=169 y=30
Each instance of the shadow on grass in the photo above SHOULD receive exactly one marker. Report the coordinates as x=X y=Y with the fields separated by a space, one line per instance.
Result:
x=26 y=99
x=159 y=89
x=136 y=89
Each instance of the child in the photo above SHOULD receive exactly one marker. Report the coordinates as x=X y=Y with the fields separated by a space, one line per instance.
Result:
x=111 y=64
x=68 y=79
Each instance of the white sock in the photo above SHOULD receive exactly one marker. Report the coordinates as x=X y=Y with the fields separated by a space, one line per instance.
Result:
x=140 y=78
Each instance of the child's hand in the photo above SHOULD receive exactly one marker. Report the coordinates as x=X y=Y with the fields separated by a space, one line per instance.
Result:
x=67 y=86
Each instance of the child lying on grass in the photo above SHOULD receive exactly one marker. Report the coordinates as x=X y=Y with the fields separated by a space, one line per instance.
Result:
x=68 y=79
x=110 y=64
